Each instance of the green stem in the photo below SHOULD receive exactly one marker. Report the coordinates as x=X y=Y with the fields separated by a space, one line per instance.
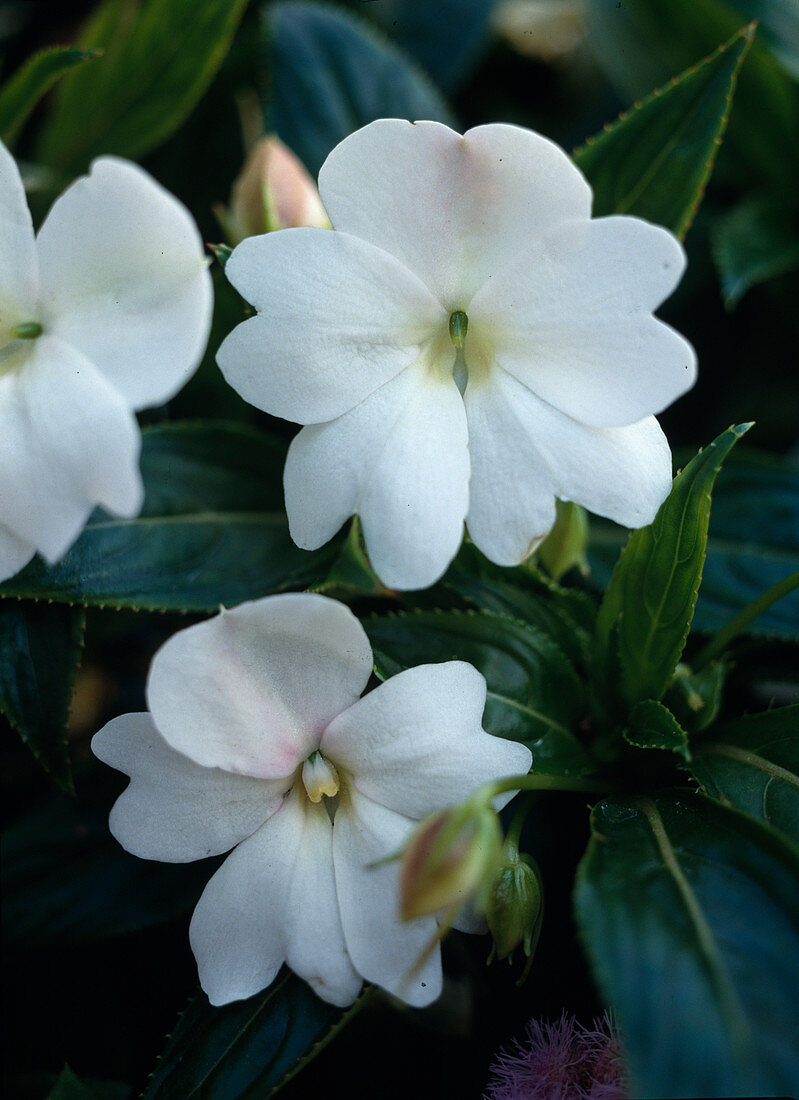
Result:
x=516 y=826
x=738 y=623
x=546 y=783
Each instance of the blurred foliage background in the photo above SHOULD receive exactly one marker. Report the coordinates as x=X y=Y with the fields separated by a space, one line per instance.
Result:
x=97 y=959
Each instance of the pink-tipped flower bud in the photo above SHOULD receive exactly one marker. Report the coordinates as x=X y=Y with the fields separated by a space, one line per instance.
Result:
x=451 y=857
x=273 y=191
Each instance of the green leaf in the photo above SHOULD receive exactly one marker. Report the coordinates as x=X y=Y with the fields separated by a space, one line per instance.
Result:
x=212 y=531
x=690 y=915
x=160 y=56
x=69 y=1087
x=695 y=697
x=753 y=544
x=564 y=614
x=753 y=764
x=331 y=74
x=248 y=1049
x=40 y=651
x=534 y=695
x=641 y=43
x=653 y=726
x=446 y=38
x=655 y=160
x=66 y=880
x=653 y=590
x=30 y=82
x=757 y=240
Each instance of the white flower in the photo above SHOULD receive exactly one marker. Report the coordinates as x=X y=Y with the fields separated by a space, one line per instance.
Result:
x=483 y=240
x=106 y=311
x=257 y=740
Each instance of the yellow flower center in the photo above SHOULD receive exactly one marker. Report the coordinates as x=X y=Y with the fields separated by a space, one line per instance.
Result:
x=319 y=777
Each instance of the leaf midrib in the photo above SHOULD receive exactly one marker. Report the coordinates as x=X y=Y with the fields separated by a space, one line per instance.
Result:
x=729 y=1004
x=525 y=709
x=745 y=756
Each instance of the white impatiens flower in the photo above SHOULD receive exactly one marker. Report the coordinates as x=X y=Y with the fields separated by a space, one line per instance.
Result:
x=257 y=740
x=468 y=345
x=106 y=311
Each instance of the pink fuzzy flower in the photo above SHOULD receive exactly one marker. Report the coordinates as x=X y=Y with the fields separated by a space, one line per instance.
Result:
x=561 y=1061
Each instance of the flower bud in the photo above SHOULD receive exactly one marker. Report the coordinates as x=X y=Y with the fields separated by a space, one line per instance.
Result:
x=452 y=856
x=566 y=544
x=515 y=906
x=273 y=191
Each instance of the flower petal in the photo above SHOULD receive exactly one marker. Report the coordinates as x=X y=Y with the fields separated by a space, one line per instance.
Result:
x=337 y=318
x=68 y=442
x=511 y=491
x=383 y=948
x=571 y=318
x=453 y=209
x=14 y=553
x=174 y=810
x=252 y=689
x=125 y=280
x=416 y=743
x=19 y=271
x=399 y=460
x=525 y=452
x=274 y=900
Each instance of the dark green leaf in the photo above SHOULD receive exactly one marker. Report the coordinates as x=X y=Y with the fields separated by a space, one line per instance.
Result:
x=655 y=160
x=695 y=697
x=755 y=241
x=653 y=726
x=247 y=1049
x=69 y=1087
x=33 y=79
x=65 y=1085
x=66 y=880
x=566 y=615
x=653 y=590
x=641 y=43
x=212 y=531
x=690 y=914
x=753 y=764
x=446 y=38
x=40 y=650
x=160 y=56
x=331 y=74
x=753 y=544
x=534 y=695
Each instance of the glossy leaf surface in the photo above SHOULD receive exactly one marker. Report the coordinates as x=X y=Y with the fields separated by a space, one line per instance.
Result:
x=752 y=763
x=332 y=73
x=651 y=596
x=212 y=531
x=690 y=914
x=655 y=160
x=40 y=650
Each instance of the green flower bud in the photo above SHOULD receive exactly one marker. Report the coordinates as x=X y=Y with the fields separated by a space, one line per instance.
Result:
x=451 y=857
x=566 y=544
x=515 y=906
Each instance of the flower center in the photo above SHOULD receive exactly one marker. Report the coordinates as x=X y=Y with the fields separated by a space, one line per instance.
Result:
x=319 y=777
x=10 y=341
x=458 y=327
x=28 y=330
